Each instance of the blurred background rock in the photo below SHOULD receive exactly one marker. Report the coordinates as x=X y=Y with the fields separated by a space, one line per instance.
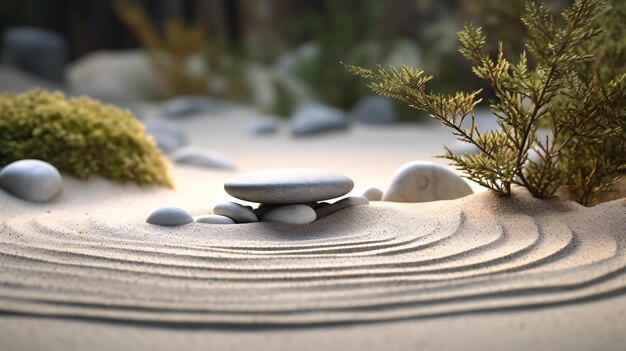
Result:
x=274 y=55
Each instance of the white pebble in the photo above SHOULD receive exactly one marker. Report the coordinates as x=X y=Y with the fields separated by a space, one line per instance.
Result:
x=373 y=194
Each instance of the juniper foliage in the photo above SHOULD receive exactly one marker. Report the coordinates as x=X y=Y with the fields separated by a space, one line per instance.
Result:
x=585 y=112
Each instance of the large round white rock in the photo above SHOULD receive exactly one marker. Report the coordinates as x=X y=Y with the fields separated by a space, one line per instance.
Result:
x=291 y=214
x=31 y=180
x=288 y=186
x=421 y=181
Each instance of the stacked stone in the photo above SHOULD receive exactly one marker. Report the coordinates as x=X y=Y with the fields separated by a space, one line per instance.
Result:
x=284 y=196
x=297 y=195
x=294 y=196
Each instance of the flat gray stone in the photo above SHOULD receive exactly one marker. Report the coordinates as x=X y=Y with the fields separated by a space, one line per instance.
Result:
x=167 y=135
x=316 y=118
x=236 y=212
x=324 y=211
x=190 y=105
x=288 y=186
x=31 y=180
x=291 y=214
x=214 y=219
x=170 y=217
x=373 y=194
x=263 y=126
x=421 y=181
x=376 y=110
x=201 y=157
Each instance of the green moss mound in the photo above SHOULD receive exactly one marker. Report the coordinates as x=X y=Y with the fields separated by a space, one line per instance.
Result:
x=80 y=136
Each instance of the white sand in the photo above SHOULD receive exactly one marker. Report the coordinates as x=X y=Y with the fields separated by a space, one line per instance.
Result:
x=86 y=272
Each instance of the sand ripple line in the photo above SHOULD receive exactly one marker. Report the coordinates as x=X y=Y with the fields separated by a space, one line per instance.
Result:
x=371 y=263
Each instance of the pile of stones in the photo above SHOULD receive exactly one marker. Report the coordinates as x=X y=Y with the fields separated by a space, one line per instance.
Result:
x=294 y=196
x=297 y=196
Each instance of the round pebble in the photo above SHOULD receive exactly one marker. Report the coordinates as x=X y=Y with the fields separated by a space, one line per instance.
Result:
x=421 y=181
x=236 y=212
x=170 y=217
x=214 y=219
x=373 y=194
x=291 y=214
x=31 y=180
x=288 y=186
x=342 y=204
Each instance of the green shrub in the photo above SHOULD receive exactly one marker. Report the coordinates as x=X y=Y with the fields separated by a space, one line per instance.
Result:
x=584 y=108
x=80 y=136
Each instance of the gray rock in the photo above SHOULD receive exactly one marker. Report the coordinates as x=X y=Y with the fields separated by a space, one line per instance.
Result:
x=201 y=157
x=421 y=181
x=170 y=217
x=190 y=105
x=373 y=194
x=214 y=219
x=263 y=208
x=342 y=204
x=316 y=118
x=35 y=50
x=375 y=110
x=168 y=136
x=292 y=214
x=264 y=126
x=116 y=75
x=31 y=180
x=288 y=186
x=236 y=212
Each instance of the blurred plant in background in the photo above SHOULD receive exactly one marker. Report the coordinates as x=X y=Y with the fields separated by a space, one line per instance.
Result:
x=176 y=55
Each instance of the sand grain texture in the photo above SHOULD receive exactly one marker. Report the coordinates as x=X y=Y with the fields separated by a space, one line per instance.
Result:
x=374 y=263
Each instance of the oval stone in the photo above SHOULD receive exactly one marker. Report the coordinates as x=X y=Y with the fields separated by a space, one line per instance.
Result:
x=326 y=210
x=288 y=186
x=236 y=212
x=291 y=214
x=421 y=181
x=31 y=180
x=214 y=219
x=170 y=217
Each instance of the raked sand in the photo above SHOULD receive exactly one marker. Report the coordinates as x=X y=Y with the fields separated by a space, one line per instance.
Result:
x=87 y=272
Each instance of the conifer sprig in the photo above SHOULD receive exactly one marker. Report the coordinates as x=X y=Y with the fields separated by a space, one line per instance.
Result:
x=585 y=117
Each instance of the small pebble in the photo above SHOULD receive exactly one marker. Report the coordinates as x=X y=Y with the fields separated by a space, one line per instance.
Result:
x=31 y=180
x=236 y=212
x=342 y=204
x=170 y=217
x=214 y=219
x=291 y=214
x=373 y=194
